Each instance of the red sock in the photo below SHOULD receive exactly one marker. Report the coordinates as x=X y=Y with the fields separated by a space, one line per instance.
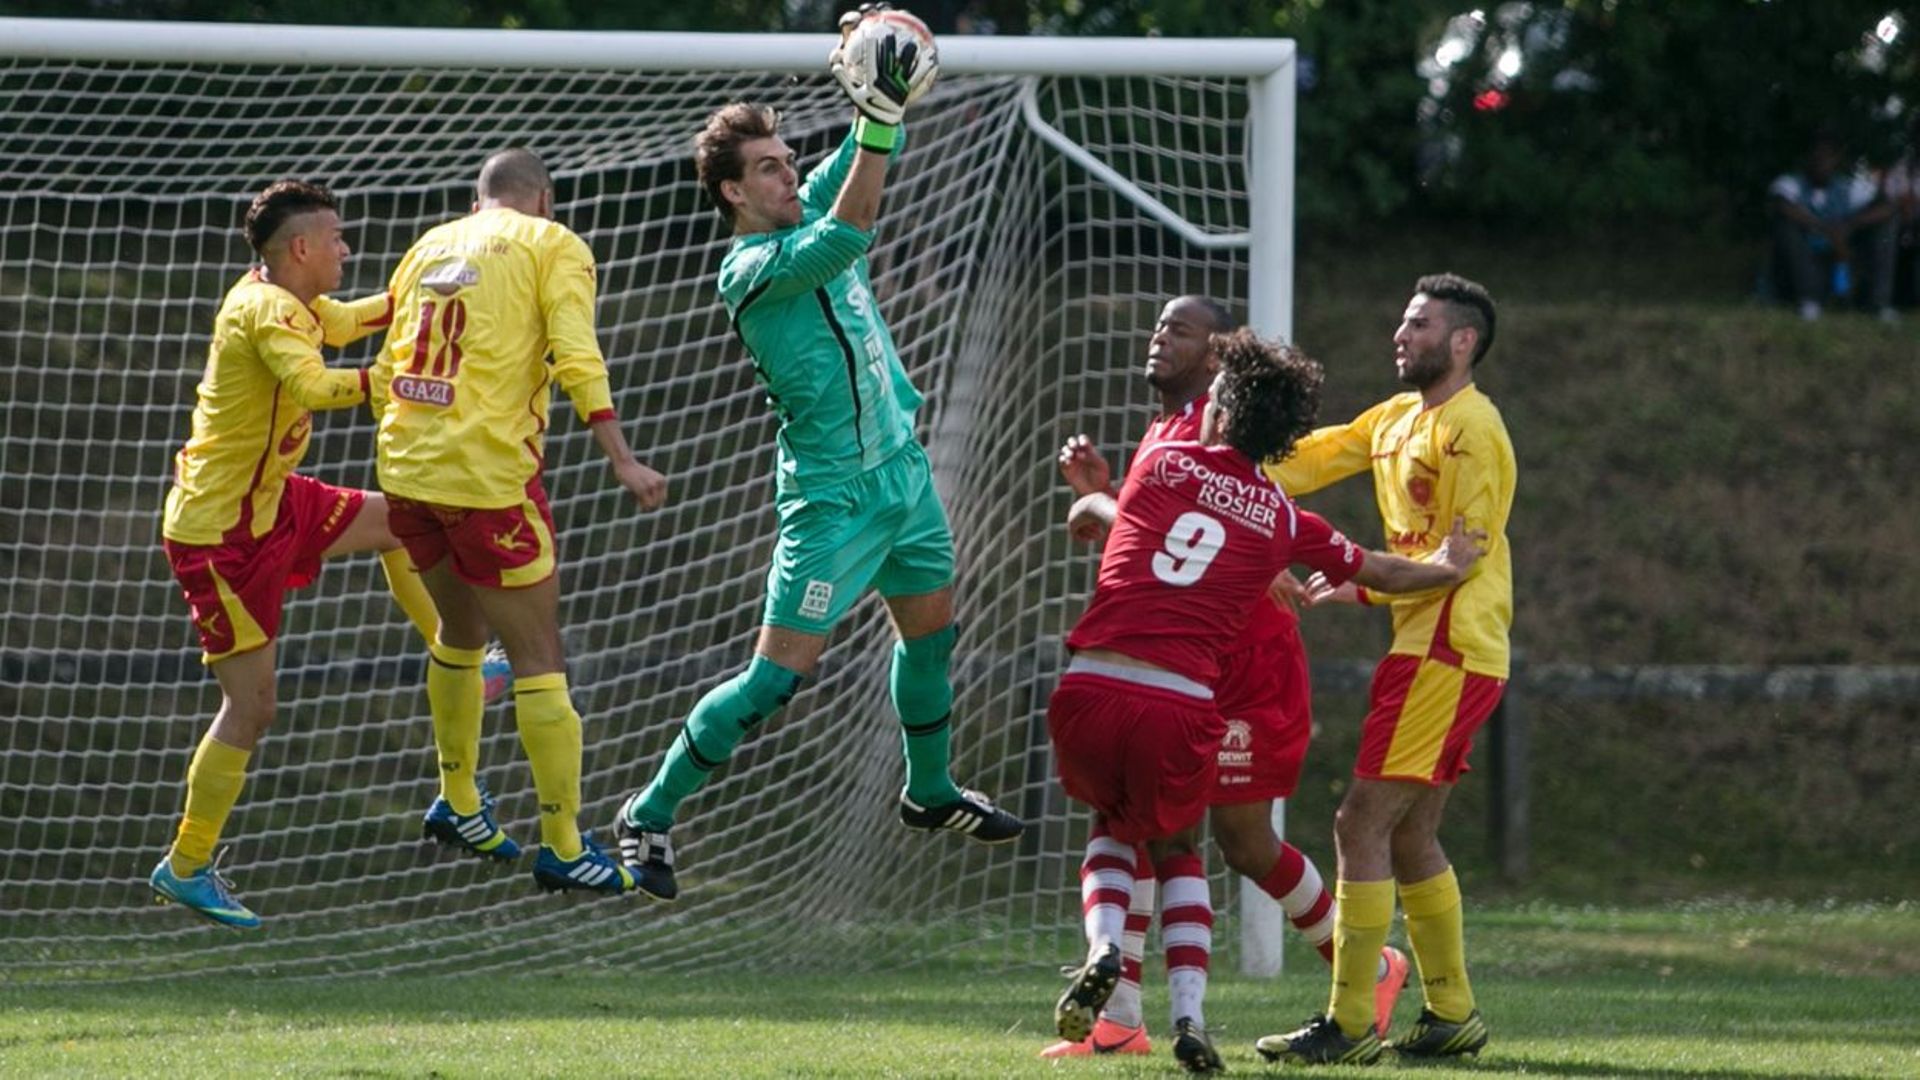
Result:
x=1186 y=931
x=1295 y=882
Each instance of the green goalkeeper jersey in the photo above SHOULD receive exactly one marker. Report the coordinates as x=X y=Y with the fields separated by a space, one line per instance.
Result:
x=803 y=305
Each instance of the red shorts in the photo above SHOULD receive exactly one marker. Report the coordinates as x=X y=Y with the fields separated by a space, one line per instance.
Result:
x=236 y=588
x=1266 y=696
x=1422 y=719
x=1142 y=756
x=499 y=549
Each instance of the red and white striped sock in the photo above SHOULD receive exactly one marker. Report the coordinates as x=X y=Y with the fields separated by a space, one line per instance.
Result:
x=1123 y=1007
x=1186 y=932
x=1106 y=890
x=1295 y=882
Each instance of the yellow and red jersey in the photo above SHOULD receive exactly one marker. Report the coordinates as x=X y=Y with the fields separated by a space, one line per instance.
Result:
x=1430 y=466
x=489 y=312
x=265 y=376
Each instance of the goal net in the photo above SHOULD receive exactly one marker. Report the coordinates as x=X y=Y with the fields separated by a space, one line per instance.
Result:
x=1032 y=229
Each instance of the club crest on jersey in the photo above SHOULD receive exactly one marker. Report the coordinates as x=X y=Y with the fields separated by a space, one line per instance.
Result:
x=1164 y=474
x=450 y=277
x=1236 y=746
x=435 y=392
x=1420 y=490
x=1253 y=503
x=817 y=600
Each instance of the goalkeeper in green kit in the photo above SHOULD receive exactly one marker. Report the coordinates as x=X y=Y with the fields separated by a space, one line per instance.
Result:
x=855 y=493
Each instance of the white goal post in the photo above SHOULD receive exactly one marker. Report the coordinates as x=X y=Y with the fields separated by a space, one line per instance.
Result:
x=1054 y=192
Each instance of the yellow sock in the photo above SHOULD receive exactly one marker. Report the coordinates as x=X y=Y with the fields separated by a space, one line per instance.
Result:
x=455 y=695
x=1439 y=940
x=411 y=593
x=1365 y=913
x=550 y=732
x=214 y=780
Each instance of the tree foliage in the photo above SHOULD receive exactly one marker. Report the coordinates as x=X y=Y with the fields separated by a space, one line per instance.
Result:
x=1672 y=109
x=1643 y=109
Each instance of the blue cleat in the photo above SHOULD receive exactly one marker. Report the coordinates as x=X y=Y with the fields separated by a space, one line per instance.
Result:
x=475 y=834
x=496 y=674
x=203 y=892
x=593 y=870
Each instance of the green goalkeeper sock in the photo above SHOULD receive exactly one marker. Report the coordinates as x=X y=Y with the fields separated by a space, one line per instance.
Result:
x=706 y=741
x=923 y=696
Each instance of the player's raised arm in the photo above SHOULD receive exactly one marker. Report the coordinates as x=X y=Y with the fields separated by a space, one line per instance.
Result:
x=885 y=62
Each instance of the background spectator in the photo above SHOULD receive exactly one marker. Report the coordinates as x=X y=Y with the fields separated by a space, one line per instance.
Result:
x=1833 y=235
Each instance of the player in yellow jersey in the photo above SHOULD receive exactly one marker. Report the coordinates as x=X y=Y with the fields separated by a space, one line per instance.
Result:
x=490 y=311
x=1437 y=453
x=241 y=527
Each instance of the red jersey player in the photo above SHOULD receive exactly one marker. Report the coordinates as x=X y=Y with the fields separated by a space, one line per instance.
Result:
x=1199 y=535
x=1263 y=693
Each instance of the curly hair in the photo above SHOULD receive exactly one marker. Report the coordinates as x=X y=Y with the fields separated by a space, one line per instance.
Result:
x=1269 y=391
x=283 y=199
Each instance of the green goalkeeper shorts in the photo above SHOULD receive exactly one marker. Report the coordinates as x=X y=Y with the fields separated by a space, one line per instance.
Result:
x=884 y=528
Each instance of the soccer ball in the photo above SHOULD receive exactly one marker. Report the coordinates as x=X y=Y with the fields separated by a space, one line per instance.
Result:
x=905 y=29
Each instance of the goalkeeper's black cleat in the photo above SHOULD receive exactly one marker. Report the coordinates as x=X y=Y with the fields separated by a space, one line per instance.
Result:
x=648 y=854
x=1321 y=1042
x=972 y=815
x=1088 y=988
x=1433 y=1037
x=1193 y=1048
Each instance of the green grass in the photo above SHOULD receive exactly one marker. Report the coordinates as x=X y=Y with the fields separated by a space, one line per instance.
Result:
x=1719 y=991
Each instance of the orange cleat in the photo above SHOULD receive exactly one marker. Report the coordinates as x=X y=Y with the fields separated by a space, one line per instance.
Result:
x=1107 y=1038
x=1386 y=990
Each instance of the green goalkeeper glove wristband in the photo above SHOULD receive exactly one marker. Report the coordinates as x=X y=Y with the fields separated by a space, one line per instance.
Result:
x=874 y=135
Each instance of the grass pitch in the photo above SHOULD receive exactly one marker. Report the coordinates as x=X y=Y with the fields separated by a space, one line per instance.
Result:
x=1716 y=991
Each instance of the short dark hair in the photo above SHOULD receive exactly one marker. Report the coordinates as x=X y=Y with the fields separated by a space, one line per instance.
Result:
x=1218 y=316
x=1270 y=392
x=513 y=175
x=716 y=150
x=283 y=199
x=1469 y=304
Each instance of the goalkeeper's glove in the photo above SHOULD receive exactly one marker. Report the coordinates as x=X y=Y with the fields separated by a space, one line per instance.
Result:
x=881 y=77
x=851 y=19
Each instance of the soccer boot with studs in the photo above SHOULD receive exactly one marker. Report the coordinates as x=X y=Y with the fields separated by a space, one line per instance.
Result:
x=593 y=870
x=1088 y=988
x=1433 y=1037
x=1193 y=1048
x=205 y=892
x=1107 y=1038
x=475 y=833
x=647 y=854
x=972 y=815
x=1321 y=1042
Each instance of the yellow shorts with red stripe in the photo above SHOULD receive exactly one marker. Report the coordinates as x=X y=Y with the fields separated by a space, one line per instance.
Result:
x=508 y=548
x=236 y=588
x=1422 y=720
